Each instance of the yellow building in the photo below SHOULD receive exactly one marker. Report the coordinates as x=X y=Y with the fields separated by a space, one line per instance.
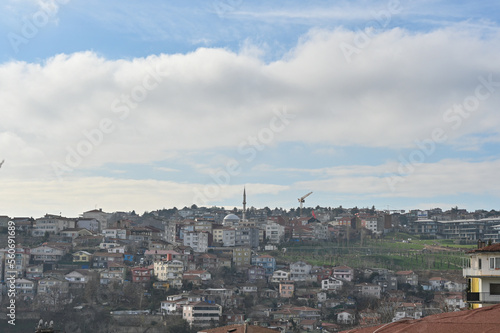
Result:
x=82 y=256
x=482 y=272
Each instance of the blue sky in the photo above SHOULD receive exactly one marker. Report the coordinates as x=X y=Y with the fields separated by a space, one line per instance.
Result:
x=129 y=105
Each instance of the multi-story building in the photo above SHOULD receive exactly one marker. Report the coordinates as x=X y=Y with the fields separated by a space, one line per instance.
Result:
x=368 y=289
x=275 y=233
x=34 y=271
x=142 y=274
x=114 y=273
x=170 y=271
x=343 y=272
x=99 y=215
x=90 y=224
x=265 y=261
x=115 y=233
x=242 y=256
x=408 y=277
x=256 y=273
x=102 y=259
x=286 y=289
x=301 y=271
x=482 y=272
x=25 y=288
x=199 y=241
x=332 y=284
x=246 y=236
x=279 y=276
x=47 y=254
x=202 y=313
x=53 y=224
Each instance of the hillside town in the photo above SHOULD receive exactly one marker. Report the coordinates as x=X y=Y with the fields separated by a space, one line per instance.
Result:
x=198 y=268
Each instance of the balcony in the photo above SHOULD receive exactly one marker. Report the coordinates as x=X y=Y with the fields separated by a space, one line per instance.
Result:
x=482 y=297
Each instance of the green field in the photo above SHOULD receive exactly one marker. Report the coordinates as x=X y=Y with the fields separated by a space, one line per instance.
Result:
x=390 y=252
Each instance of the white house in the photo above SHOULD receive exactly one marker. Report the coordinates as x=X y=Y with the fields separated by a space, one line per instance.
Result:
x=331 y=284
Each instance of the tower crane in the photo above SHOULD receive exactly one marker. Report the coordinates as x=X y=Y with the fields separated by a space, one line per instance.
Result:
x=302 y=200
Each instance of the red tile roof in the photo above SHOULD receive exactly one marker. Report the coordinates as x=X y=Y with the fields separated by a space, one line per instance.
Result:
x=486 y=319
x=489 y=248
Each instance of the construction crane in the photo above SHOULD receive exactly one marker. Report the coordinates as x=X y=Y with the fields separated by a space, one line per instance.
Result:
x=302 y=200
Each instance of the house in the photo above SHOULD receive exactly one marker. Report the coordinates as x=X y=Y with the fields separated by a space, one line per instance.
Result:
x=332 y=284
x=82 y=256
x=368 y=289
x=343 y=272
x=301 y=271
x=75 y=232
x=47 y=254
x=369 y=318
x=198 y=240
x=256 y=273
x=275 y=233
x=142 y=274
x=115 y=233
x=52 y=285
x=89 y=224
x=233 y=317
x=115 y=272
x=286 y=289
x=454 y=302
x=207 y=261
x=482 y=272
x=408 y=310
x=25 y=288
x=52 y=224
x=34 y=272
x=267 y=262
x=170 y=305
x=242 y=256
x=453 y=286
x=248 y=289
x=407 y=277
x=201 y=313
x=437 y=283
x=202 y=274
x=346 y=317
x=101 y=259
x=170 y=271
x=155 y=255
x=78 y=278
x=279 y=276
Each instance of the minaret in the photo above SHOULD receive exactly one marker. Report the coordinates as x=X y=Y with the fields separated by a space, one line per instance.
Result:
x=244 y=205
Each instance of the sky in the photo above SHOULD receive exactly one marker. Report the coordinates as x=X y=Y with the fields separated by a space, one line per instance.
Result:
x=142 y=105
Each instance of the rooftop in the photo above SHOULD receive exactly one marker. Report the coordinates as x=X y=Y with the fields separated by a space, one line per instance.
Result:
x=486 y=319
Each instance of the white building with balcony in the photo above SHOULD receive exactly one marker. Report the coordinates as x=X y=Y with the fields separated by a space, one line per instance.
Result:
x=482 y=272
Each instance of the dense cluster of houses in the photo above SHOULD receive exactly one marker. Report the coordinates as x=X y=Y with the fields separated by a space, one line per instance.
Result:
x=190 y=250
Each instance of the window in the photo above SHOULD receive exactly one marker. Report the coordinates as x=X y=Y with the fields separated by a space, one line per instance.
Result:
x=494 y=288
x=495 y=263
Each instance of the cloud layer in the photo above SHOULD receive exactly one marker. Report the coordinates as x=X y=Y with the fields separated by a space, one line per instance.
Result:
x=70 y=115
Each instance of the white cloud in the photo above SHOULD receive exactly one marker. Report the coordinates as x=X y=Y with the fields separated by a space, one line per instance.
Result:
x=444 y=178
x=72 y=197
x=393 y=92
